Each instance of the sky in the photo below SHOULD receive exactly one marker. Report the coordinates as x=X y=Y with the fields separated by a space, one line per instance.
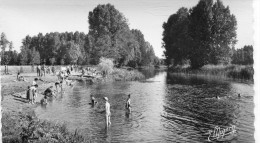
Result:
x=30 y=17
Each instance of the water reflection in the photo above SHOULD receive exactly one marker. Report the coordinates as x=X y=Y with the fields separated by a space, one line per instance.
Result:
x=165 y=108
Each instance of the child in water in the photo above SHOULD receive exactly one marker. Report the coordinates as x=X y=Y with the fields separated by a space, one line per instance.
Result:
x=44 y=100
x=108 y=113
x=93 y=101
x=127 y=105
x=58 y=83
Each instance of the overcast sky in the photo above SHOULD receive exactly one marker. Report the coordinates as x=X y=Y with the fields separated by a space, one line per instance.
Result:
x=29 y=17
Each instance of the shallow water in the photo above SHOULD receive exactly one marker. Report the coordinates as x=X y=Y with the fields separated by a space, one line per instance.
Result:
x=165 y=108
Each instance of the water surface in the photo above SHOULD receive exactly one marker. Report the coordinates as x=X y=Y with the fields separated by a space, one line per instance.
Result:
x=165 y=108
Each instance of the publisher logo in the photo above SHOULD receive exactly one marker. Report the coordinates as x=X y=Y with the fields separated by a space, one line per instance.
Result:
x=222 y=134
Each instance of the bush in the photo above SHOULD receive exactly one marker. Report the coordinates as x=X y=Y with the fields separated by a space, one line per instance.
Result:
x=106 y=65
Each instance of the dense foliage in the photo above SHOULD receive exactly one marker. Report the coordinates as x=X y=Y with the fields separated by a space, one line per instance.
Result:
x=109 y=36
x=205 y=34
x=8 y=56
x=243 y=56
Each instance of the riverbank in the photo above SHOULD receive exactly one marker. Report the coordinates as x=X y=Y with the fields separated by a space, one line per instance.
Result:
x=236 y=72
x=18 y=119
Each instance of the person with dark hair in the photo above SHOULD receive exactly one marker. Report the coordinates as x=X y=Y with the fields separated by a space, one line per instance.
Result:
x=35 y=81
x=49 y=92
x=93 y=101
x=58 y=83
x=32 y=93
x=28 y=94
x=44 y=100
x=19 y=77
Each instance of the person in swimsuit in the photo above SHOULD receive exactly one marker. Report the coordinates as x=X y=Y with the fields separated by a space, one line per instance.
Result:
x=108 y=113
x=32 y=93
x=58 y=83
x=127 y=105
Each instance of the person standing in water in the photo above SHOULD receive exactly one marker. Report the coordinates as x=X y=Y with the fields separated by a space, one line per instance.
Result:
x=108 y=113
x=93 y=101
x=127 y=105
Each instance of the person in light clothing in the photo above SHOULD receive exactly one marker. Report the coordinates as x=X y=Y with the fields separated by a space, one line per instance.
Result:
x=108 y=113
x=34 y=81
x=127 y=105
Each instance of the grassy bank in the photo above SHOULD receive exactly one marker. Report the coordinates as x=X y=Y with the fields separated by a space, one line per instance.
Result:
x=19 y=122
x=240 y=72
x=26 y=127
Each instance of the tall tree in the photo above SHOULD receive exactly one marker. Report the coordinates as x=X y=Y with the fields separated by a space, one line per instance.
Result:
x=176 y=38
x=200 y=32
x=223 y=34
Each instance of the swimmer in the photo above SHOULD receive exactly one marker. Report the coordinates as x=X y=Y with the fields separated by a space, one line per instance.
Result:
x=217 y=97
x=127 y=105
x=93 y=101
x=238 y=95
x=108 y=113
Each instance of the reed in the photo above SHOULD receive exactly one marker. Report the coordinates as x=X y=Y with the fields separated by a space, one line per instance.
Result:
x=243 y=72
x=126 y=75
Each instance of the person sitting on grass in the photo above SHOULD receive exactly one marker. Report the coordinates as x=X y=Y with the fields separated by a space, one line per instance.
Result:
x=35 y=81
x=49 y=92
x=19 y=77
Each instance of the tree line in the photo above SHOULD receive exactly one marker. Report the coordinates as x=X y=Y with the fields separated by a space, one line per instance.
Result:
x=109 y=36
x=243 y=56
x=204 y=34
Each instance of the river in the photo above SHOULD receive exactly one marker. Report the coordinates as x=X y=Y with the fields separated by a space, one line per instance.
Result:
x=165 y=108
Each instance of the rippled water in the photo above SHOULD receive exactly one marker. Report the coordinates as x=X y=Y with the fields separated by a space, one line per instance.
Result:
x=165 y=108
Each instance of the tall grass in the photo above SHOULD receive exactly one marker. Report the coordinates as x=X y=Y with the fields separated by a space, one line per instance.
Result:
x=224 y=71
x=126 y=75
x=23 y=128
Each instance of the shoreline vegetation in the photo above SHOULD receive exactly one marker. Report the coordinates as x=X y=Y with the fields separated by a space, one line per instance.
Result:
x=234 y=72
